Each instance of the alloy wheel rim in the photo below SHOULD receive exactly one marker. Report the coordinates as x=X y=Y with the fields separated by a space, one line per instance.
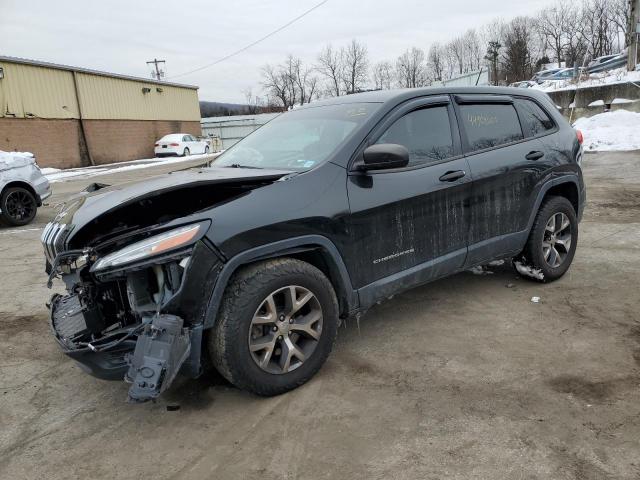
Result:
x=285 y=329
x=20 y=205
x=556 y=242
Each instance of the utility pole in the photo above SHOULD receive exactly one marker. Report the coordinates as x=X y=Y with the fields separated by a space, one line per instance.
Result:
x=158 y=74
x=634 y=29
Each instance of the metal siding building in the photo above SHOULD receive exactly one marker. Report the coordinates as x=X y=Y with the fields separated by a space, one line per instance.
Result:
x=230 y=130
x=70 y=116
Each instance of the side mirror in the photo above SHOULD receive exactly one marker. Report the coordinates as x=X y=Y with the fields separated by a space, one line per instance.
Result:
x=385 y=156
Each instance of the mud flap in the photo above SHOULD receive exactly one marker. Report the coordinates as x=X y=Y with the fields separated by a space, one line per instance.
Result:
x=162 y=348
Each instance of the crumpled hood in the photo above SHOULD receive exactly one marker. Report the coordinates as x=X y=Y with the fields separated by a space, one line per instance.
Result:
x=174 y=194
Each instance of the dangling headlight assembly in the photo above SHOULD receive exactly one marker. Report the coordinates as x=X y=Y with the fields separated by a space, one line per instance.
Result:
x=152 y=246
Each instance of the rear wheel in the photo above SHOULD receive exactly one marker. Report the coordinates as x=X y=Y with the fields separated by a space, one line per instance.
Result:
x=276 y=326
x=186 y=152
x=206 y=150
x=553 y=239
x=18 y=206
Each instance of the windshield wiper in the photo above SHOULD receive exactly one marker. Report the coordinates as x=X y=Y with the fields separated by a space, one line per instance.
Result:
x=237 y=165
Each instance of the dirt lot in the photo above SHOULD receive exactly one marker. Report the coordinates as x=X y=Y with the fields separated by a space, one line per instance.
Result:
x=464 y=378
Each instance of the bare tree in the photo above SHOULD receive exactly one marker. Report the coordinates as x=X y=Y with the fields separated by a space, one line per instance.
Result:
x=382 y=75
x=436 y=61
x=254 y=102
x=276 y=83
x=290 y=82
x=551 y=25
x=472 y=48
x=411 y=69
x=305 y=82
x=598 y=30
x=355 y=66
x=575 y=47
x=620 y=15
x=330 y=65
x=456 y=51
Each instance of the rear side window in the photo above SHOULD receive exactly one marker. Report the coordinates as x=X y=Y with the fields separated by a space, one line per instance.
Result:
x=426 y=133
x=535 y=120
x=490 y=125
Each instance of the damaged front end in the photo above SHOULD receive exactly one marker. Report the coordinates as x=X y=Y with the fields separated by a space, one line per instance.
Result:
x=134 y=307
x=139 y=272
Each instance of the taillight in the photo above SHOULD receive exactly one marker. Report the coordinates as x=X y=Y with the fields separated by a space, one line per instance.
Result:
x=157 y=145
x=580 y=137
x=174 y=144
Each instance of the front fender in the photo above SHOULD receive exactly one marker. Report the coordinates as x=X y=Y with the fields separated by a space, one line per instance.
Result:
x=339 y=275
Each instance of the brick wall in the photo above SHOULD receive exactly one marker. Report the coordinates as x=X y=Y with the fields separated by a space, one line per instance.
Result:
x=121 y=140
x=58 y=143
x=55 y=143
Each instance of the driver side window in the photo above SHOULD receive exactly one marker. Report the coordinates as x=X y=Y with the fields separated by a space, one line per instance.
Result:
x=426 y=133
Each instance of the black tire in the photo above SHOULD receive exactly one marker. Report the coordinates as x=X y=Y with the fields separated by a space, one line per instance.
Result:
x=228 y=340
x=533 y=254
x=186 y=152
x=21 y=215
x=206 y=150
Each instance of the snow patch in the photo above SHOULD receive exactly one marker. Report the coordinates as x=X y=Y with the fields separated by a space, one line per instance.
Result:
x=618 y=75
x=528 y=271
x=610 y=131
x=597 y=103
x=9 y=160
x=617 y=101
x=480 y=270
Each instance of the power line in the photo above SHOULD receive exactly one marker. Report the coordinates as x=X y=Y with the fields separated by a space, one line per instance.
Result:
x=291 y=22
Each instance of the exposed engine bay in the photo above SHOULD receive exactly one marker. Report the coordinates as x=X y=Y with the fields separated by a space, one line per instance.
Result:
x=116 y=324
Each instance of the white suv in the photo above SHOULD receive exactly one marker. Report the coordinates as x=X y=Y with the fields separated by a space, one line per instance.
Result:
x=23 y=188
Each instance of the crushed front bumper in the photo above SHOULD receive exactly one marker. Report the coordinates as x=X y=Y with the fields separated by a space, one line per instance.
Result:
x=108 y=327
x=148 y=355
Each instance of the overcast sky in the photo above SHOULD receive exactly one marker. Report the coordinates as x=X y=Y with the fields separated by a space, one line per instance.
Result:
x=120 y=36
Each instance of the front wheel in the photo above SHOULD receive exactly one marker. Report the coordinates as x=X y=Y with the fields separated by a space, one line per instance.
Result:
x=276 y=326
x=206 y=150
x=553 y=239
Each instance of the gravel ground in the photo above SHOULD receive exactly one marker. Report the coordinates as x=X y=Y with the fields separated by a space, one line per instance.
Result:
x=463 y=378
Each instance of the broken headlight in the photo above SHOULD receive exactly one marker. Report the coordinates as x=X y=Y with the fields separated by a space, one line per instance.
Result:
x=151 y=246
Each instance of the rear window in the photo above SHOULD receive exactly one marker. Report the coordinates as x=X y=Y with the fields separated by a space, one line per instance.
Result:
x=535 y=120
x=490 y=125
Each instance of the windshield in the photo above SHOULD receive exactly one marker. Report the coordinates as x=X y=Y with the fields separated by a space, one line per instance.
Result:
x=297 y=140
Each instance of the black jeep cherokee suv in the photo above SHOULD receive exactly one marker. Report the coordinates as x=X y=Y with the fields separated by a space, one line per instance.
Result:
x=251 y=263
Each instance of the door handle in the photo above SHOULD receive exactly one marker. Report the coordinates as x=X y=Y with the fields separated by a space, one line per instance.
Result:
x=453 y=176
x=534 y=155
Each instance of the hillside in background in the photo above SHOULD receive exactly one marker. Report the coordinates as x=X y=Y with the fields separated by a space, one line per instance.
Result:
x=219 y=109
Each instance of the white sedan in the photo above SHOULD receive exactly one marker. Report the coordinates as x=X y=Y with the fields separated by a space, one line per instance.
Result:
x=180 y=144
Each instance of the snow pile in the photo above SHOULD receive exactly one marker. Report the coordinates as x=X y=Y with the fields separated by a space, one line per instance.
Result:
x=618 y=130
x=15 y=159
x=528 y=271
x=618 y=75
x=57 y=175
